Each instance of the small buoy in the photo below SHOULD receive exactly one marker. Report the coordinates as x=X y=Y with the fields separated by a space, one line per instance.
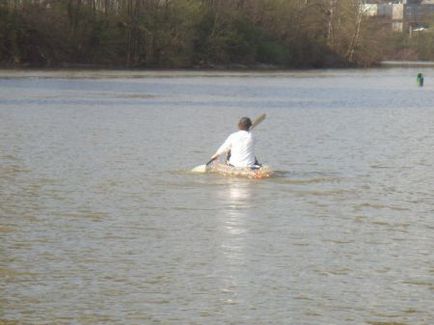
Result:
x=419 y=79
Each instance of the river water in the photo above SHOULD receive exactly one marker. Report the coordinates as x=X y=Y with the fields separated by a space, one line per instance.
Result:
x=101 y=221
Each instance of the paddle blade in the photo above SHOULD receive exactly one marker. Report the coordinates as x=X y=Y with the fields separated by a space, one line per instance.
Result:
x=199 y=169
x=258 y=120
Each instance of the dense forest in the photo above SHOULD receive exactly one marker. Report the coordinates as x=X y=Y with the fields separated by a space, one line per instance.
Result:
x=190 y=33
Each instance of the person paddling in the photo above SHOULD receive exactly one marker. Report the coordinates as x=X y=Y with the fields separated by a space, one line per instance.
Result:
x=240 y=145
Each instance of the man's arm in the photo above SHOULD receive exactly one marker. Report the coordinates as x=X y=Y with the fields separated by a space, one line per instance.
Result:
x=225 y=147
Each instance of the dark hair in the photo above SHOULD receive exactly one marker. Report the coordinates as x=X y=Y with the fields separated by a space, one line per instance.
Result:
x=245 y=123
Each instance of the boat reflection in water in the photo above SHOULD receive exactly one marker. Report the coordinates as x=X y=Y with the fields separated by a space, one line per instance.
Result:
x=235 y=198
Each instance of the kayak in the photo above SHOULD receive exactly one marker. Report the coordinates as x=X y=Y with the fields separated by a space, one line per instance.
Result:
x=226 y=170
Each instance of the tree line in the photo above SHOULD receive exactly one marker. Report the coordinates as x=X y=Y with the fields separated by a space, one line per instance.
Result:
x=189 y=33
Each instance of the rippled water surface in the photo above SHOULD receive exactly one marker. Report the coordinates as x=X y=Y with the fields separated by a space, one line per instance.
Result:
x=102 y=223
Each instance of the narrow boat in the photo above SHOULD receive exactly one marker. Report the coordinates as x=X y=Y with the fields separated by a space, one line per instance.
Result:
x=255 y=173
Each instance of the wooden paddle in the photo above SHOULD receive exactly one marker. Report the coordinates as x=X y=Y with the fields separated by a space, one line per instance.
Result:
x=202 y=168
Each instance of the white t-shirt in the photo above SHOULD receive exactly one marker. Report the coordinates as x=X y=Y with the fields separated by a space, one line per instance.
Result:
x=241 y=145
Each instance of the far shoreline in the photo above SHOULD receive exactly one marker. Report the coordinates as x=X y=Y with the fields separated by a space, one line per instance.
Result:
x=236 y=68
x=410 y=64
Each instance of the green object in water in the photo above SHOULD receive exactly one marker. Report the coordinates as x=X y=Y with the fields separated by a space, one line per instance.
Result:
x=419 y=79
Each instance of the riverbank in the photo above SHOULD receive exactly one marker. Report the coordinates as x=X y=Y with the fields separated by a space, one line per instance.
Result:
x=329 y=63
x=412 y=64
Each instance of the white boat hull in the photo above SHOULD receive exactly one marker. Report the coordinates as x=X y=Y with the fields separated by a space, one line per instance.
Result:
x=226 y=170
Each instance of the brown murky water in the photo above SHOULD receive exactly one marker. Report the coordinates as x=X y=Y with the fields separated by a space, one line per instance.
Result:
x=101 y=222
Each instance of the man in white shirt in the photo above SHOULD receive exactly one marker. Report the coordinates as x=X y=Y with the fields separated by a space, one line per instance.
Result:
x=240 y=145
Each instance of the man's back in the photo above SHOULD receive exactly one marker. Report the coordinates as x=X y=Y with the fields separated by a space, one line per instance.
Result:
x=241 y=145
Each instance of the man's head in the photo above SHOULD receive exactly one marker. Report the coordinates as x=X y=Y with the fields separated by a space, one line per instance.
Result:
x=244 y=124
